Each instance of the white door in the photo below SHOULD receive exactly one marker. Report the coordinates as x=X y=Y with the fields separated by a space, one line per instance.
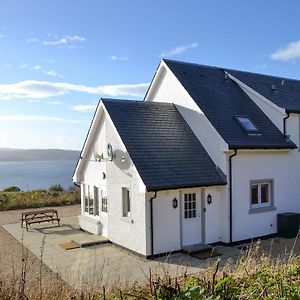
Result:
x=191 y=218
x=103 y=211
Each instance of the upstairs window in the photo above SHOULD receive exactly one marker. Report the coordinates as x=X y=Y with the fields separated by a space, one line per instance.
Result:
x=247 y=124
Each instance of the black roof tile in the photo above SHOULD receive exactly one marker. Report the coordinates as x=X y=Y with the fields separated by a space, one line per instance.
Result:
x=221 y=101
x=163 y=148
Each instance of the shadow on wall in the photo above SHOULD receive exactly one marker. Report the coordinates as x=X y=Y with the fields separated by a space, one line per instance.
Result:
x=122 y=160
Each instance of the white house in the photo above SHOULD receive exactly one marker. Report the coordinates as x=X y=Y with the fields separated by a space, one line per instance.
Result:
x=210 y=156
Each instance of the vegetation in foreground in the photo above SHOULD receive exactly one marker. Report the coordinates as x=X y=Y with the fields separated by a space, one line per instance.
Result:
x=13 y=198
x=254 y=276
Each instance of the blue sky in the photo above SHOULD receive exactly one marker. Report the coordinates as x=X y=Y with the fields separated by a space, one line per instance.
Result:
x=57 y=58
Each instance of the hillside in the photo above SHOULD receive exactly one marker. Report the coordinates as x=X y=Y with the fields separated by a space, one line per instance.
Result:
x=37 y=154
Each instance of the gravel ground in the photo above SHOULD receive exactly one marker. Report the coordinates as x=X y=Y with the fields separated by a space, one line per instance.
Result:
x=11 y=254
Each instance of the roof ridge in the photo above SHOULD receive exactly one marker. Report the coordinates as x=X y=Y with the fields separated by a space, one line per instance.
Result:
x=229 y=69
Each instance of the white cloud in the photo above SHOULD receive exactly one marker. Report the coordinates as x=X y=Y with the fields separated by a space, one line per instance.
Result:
x=36 y=118
x=55 y=102
x=178 y=50
x=32 y=40
x=114 y=57
x=3 y=36
x=289 y=52
x=66 y=41
x=24 y=66
x=36 y=67
x=8 y=66
x=35 y=89
x=51 y=72
x=73 y=38
x=84 y=108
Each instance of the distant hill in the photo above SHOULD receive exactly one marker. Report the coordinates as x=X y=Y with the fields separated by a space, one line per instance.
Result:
x=7 y=154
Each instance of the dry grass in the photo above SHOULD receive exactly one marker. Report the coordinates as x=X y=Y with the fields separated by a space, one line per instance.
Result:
x=256 y=275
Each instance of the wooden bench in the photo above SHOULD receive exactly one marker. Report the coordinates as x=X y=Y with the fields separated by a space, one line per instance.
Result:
x=39 y=216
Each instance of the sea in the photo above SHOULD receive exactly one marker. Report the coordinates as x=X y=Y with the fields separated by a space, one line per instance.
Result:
x=32 y=175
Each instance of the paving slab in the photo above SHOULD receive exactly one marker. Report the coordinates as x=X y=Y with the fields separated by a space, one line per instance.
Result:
x=101 y=264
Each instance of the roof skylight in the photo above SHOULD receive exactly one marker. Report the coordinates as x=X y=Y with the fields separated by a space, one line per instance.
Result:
x=247 y=124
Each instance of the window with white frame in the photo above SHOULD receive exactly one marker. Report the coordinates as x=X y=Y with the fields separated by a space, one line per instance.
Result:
x=104 y=204
x=96 y=201
x=261 y=194
x=91 y=200
x=126 y=202
x=190 y=206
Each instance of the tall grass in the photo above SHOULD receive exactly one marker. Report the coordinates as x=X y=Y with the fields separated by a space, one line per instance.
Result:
x=255 y=275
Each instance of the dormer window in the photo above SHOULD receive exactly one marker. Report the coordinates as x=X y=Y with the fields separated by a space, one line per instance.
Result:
x=247 y=124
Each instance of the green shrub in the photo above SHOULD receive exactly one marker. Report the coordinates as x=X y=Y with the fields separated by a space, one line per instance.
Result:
x=56 y=188
x=11 y=189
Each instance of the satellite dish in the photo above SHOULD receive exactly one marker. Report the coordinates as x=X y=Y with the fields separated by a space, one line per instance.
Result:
x=110 y=152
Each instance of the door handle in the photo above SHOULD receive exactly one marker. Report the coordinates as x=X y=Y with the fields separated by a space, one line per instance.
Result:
x=204 y=209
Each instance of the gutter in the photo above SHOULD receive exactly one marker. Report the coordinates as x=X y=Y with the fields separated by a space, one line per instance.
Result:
x=284 y=123
x=151 y=223
x=230 y=194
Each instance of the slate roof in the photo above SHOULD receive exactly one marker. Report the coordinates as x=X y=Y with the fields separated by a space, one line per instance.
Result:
x=163 y=148
x=285 y=92
x=222 y=101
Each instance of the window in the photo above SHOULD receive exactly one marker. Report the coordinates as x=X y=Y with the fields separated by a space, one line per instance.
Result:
x=189 y=206
x=86 y=198
x=104 y=204
x=261 y=195
x=247 y=124
x=126 y=202
x=96 y=201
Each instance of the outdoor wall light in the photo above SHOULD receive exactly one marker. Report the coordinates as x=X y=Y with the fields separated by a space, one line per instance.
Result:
x=175 y=203
x=209 y=198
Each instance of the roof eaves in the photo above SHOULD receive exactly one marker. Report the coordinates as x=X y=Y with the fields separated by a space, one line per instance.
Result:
x=177 y=187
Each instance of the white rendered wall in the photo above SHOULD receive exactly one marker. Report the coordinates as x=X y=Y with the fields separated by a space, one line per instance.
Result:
x=166 y=222
x=125 y=231
x=293 y=128
x=168 y=89
x=215 y=216
x=283 y=168
x=167 y=230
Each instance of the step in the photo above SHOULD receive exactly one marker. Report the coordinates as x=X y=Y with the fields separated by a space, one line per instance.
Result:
x=196 y=248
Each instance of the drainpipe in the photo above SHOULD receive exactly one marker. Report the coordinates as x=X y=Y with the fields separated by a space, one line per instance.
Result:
x=284 y=123
x=230 y=194
x=151 y=222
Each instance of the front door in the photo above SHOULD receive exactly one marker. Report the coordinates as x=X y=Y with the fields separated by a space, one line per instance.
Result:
x=191 y=209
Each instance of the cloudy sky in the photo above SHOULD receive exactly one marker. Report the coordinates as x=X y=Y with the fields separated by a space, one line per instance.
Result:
x=57 y=58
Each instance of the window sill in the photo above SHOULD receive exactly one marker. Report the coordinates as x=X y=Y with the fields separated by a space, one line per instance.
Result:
x=127 y=220
x=261 y=209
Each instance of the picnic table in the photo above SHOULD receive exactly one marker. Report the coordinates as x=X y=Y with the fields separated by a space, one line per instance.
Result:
x=39 y=216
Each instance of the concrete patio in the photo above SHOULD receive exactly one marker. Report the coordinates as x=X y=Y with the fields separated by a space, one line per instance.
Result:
x=101 y=264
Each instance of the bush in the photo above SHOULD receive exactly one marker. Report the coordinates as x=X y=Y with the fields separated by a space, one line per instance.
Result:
x=56 y=188
x=37 y=198
x=11 y=189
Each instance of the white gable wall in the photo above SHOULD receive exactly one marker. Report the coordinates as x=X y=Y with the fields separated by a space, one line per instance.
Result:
x=272 y=111
x=167 y=88
x=124 y=231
